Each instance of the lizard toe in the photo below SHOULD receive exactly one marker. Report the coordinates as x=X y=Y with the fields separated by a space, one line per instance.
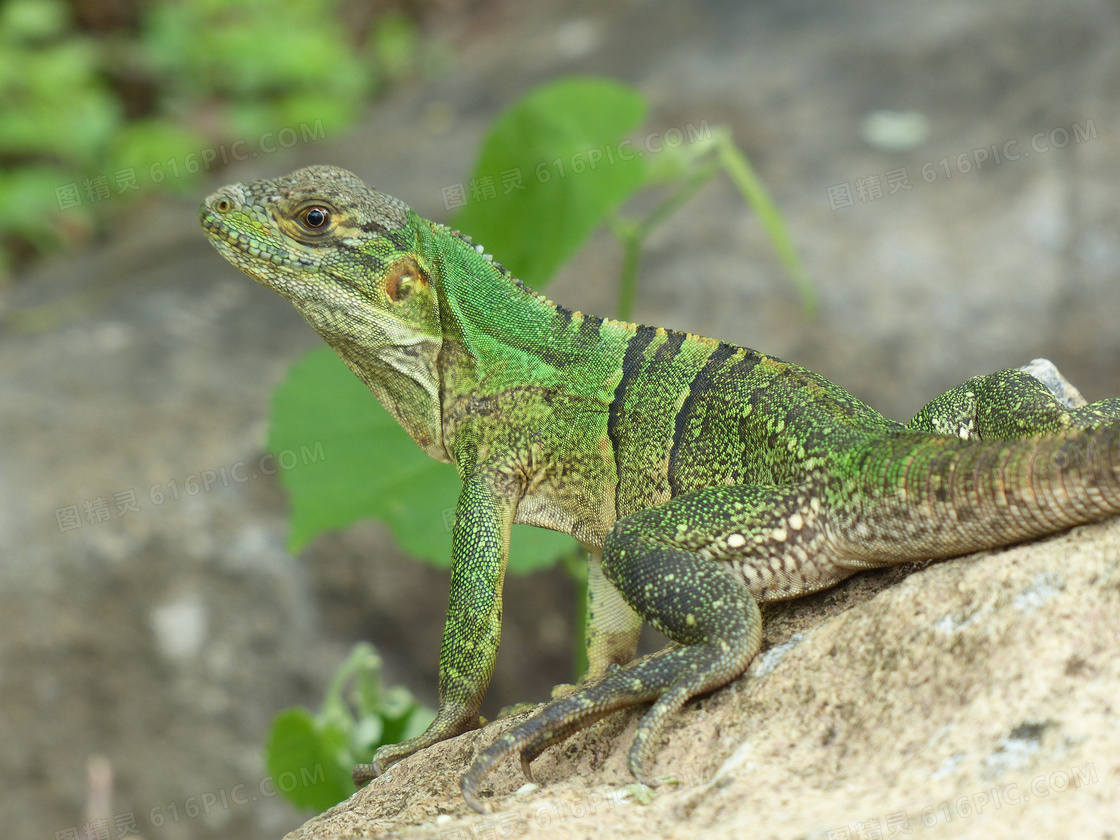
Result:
x=364 y=773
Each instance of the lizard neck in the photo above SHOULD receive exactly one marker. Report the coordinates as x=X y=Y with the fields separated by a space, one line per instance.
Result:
x=404 y=381
x=499 y=334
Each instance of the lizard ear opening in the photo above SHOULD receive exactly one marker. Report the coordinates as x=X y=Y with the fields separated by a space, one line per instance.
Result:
x=403 y=278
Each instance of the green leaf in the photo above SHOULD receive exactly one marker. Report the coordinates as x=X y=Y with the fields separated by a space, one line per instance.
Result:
x=29 y=203
x=371 y=469
x=533 y=549
x=55 y=103
x=308 y=760
x=310 y=756
x=564 y=145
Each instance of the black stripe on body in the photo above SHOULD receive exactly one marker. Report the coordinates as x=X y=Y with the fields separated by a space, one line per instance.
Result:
x=669 y=349
x=701 y=383
x=564 y=316
x=632 y=363
x=397 y=238
x=589 y=327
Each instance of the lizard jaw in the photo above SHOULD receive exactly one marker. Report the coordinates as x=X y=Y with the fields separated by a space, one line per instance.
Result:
x=224 y=218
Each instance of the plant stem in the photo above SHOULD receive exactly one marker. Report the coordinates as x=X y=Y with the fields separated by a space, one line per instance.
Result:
x=575 y=563
x=739 y=169
x=634 y=236
x=333 y=703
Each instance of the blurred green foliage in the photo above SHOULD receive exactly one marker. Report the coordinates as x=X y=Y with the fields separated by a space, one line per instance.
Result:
x=92 y=114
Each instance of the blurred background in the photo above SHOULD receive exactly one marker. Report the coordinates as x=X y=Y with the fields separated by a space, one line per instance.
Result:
x=948 y=172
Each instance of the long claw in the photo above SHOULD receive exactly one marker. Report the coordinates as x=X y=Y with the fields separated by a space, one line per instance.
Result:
x=526 y=762
x=558 y=720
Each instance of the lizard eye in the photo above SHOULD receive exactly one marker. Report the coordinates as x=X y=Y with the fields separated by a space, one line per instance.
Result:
x=315 y=217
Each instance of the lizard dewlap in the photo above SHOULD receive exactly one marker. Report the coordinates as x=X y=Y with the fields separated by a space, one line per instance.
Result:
x=705 y=478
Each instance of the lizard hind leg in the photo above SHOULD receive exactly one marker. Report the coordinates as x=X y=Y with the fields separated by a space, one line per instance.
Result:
x=1082 y=413
x=703 y=605
x=613 y=627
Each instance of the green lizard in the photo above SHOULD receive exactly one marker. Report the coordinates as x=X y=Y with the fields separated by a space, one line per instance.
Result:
x=704 y=478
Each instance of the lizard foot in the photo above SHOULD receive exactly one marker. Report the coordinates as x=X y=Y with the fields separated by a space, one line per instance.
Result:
x=670 y=677
x=448 y=723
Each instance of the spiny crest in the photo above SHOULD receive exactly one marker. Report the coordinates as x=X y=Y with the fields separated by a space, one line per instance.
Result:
x=505 y=272
x=588 y=323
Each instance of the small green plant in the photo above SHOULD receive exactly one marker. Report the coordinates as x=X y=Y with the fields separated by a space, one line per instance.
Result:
x=310 y=756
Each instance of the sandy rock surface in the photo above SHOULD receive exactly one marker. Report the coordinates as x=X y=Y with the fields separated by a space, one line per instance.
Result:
x=973 y=698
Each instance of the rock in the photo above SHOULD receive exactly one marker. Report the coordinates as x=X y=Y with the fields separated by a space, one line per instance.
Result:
x=975 y=697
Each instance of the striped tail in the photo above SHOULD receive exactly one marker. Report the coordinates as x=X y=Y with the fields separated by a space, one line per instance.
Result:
x=912 y=497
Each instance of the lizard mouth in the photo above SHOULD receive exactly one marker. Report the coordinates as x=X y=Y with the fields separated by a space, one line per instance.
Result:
x=222 y=234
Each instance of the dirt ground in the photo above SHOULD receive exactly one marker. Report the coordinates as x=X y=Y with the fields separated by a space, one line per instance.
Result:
x=165 y=636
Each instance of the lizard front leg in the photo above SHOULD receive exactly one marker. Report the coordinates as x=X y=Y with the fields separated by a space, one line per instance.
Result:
x=692 y=568
x=472 y=631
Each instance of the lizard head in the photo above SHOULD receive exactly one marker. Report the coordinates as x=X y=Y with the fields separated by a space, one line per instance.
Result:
x=347 y=258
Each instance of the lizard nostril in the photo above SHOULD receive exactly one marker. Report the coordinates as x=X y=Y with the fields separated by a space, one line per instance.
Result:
x=223 y=205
